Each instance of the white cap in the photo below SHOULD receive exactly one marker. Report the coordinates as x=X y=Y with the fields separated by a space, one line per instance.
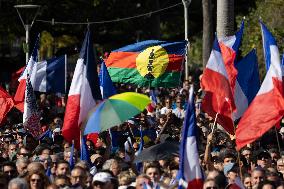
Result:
x=102 y=177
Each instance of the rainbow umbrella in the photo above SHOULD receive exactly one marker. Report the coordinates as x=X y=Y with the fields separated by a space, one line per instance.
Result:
x=115 y=110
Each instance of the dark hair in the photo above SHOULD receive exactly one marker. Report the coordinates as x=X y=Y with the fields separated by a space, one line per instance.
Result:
x=61 y=162
x=229 y=155
x=153 y=165
x=8 y=163
x=221 y=180
x=262 y=183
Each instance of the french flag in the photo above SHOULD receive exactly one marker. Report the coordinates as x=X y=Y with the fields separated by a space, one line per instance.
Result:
x=107 y=89
x=45 y=76
x=50 y=75
x=245 y=84
x=190 y=170
x=248 y=83
x=83 y=94
x=19 y=97
x=267 y=108
x=217 y=81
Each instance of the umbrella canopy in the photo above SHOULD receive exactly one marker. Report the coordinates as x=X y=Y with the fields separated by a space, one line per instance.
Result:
x=160 y=151
x=115 y=110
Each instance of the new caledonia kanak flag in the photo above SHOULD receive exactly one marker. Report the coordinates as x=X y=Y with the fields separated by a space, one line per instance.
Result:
x=152 y=62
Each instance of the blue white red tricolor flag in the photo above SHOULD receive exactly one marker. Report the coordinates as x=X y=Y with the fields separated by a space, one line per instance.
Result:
x=240 y=85
x=83 y=94
x=217 y=82
x=50 y=75
x=19 y=97
x=31 y=115
x=45 y=76
x=190 y=170
x=248 y=83
x=267 y=108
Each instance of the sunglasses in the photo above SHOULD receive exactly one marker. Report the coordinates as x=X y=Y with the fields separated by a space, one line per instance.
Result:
x=211 y=187
x=96 y=183
x=34 y=180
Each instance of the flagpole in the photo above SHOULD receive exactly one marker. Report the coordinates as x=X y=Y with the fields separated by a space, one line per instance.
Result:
x=213 y=127
x=65 y=73
x=238 y=152
x=278 y=143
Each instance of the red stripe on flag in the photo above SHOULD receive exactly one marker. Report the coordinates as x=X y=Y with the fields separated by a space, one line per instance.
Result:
x=229 y=56
x=19 y=97
x=6 y=103
x=218 y=98
x=71 y=128
x=263 y=113
x=196 y=184
x=128 y=60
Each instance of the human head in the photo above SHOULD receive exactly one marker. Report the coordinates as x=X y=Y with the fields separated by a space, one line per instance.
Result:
x=141 y=180
x=9 y=169
x=35 y=166
x=23 y=152
x=104 y=180
x=153 y=170
x=247 y=153
x=266 y=185
x=231 y=172
x=229 y=158
x=210 y=184
x=263 y=159
x=280 y=165
x=22 y=164
x=18 y=183
x=272 y=174
x=113 y=166
x=37 y=179
x=12 y=149
x=78 y=176
x=247 y=181
x=217 y=163
x=62 y=181
x=257 y=176
x=62 y=168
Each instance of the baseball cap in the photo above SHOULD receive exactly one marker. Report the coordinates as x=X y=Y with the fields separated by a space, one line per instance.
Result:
x=102 y=177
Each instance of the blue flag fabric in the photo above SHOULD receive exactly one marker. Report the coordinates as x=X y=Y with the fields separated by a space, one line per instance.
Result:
x=71 y=160
x=85 y=156
x=189 y=167
x=139 y=165
x=268 y=40
x=248 y=75
x=46 y=134
x=106 y=85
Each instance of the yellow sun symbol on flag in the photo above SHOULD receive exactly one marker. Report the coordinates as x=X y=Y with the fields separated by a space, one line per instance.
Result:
x=153 y=60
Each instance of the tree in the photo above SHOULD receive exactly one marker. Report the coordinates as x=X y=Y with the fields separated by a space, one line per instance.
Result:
x=225 y=18
x=207 y=37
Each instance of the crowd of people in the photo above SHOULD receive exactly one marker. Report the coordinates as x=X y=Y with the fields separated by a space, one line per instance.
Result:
x=44 y=163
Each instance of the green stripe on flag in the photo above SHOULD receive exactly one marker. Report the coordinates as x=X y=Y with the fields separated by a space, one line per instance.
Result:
x=129 y=75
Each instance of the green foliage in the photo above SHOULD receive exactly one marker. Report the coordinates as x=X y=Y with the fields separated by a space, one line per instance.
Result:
x=271 y=13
